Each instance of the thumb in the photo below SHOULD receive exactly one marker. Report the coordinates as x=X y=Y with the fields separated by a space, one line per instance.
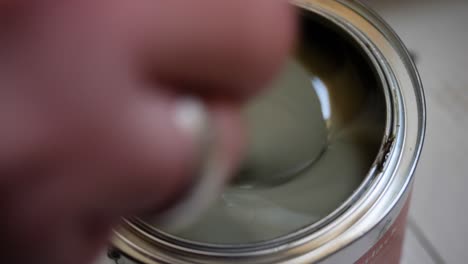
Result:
x=159 y=149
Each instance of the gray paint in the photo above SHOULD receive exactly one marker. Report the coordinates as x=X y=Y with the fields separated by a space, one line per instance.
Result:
x=277 y=193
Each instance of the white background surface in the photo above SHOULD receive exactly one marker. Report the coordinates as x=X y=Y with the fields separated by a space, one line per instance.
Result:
x=437 y=32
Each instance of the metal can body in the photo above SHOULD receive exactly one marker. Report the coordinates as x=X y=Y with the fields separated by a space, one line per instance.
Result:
x=370 y=226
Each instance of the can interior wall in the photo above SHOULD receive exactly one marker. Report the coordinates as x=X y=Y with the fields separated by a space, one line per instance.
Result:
x=368 y=227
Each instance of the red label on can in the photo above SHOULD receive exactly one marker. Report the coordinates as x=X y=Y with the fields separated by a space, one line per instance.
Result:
x=388 y=249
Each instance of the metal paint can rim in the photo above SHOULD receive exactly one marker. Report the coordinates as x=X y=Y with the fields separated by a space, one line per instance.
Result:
x=378 y=198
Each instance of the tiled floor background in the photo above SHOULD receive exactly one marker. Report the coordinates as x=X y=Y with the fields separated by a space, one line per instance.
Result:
x=437 y=32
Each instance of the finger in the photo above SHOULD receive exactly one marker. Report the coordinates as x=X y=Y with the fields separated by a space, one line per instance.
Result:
x=143 y=167
x=151 y=160
x=168 y=154
x=221 y=48
x=197 y=45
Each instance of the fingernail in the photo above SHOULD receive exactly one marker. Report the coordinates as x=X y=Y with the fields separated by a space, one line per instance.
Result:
x=190 y=116
x=211 y=173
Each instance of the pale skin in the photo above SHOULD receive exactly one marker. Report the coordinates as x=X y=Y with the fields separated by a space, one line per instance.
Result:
x=87 y=92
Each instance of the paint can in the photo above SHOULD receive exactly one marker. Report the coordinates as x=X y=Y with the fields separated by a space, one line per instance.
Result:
x=368 y=225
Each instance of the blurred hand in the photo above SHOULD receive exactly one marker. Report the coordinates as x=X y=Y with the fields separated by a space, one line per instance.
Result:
x=88 y=94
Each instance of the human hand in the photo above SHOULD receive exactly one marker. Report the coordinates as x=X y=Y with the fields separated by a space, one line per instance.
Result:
x=88 y=94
